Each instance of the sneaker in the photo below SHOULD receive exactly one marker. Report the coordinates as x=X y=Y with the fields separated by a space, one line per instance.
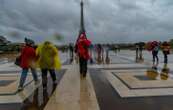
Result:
x=20 y=89
x=37 y=82
x=54 y=83
x=84 y=75
x=81 y=75
x=44 y=87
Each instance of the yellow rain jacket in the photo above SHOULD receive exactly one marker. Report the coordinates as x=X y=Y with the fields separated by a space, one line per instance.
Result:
x=48 y=57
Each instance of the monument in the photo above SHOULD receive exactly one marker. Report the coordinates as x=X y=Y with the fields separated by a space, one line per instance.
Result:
x=82 y=27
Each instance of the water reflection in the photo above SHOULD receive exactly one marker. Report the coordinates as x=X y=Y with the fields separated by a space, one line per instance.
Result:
x=153 y=72
x=39 y=99
x=165 y=73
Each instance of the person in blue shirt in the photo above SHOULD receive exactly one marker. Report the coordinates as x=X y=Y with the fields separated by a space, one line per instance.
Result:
x=155 y=52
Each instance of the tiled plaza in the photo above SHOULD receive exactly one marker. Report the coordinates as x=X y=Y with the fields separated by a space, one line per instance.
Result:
x=121 y=85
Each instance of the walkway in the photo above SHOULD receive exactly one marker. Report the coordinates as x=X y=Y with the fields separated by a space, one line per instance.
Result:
x=121 y=85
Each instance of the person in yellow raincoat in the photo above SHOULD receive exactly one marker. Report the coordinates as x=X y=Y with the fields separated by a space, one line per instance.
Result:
x=48 y=60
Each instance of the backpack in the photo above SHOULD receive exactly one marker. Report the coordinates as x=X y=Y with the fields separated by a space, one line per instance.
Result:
x=17 y=60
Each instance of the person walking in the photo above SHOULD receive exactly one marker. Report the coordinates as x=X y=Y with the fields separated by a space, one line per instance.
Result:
x=28 y=60
x=155 y=51
x=107 y=49
x=48 y=60
x=166 y=51
x=137 y=52
x=91 y=53
x=82 y=46
x=100 y=53
x=141 y=46
x=71 y=48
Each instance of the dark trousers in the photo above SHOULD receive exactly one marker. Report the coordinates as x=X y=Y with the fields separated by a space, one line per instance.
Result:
x=137 y=54
x=155 y=56
x=140 y=54
x=165 y=53
x=83 y=66
x=71 y=55
x=44 y=76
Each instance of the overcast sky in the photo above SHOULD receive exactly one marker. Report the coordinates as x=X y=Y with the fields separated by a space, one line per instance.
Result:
x=105 y=20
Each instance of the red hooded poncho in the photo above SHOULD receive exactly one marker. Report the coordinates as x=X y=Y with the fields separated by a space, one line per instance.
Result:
x=28 y=55
x=82 y=46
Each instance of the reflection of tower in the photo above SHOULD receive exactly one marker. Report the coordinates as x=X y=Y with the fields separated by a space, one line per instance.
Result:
x=82 y=27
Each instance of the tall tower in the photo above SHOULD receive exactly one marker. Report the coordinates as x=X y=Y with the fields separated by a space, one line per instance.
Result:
x=82 y=27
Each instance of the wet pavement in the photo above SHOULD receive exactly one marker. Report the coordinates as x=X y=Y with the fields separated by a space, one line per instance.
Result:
x=120 y=85
x=109 y=99
x=38 y=99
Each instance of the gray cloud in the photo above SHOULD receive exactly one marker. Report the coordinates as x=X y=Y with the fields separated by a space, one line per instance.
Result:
x=106 y=21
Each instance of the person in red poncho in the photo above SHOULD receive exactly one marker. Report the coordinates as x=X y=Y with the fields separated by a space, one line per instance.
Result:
x=82 y=51
x=28 y=59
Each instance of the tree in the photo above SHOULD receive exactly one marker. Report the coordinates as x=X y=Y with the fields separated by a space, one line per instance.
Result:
x=171 y=43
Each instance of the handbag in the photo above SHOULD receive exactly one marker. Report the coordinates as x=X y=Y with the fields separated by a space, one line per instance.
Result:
x=18 y=61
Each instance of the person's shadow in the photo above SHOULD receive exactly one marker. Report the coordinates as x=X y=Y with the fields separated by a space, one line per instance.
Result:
x=30 y=103
x=46 y=96
x=45 y=99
